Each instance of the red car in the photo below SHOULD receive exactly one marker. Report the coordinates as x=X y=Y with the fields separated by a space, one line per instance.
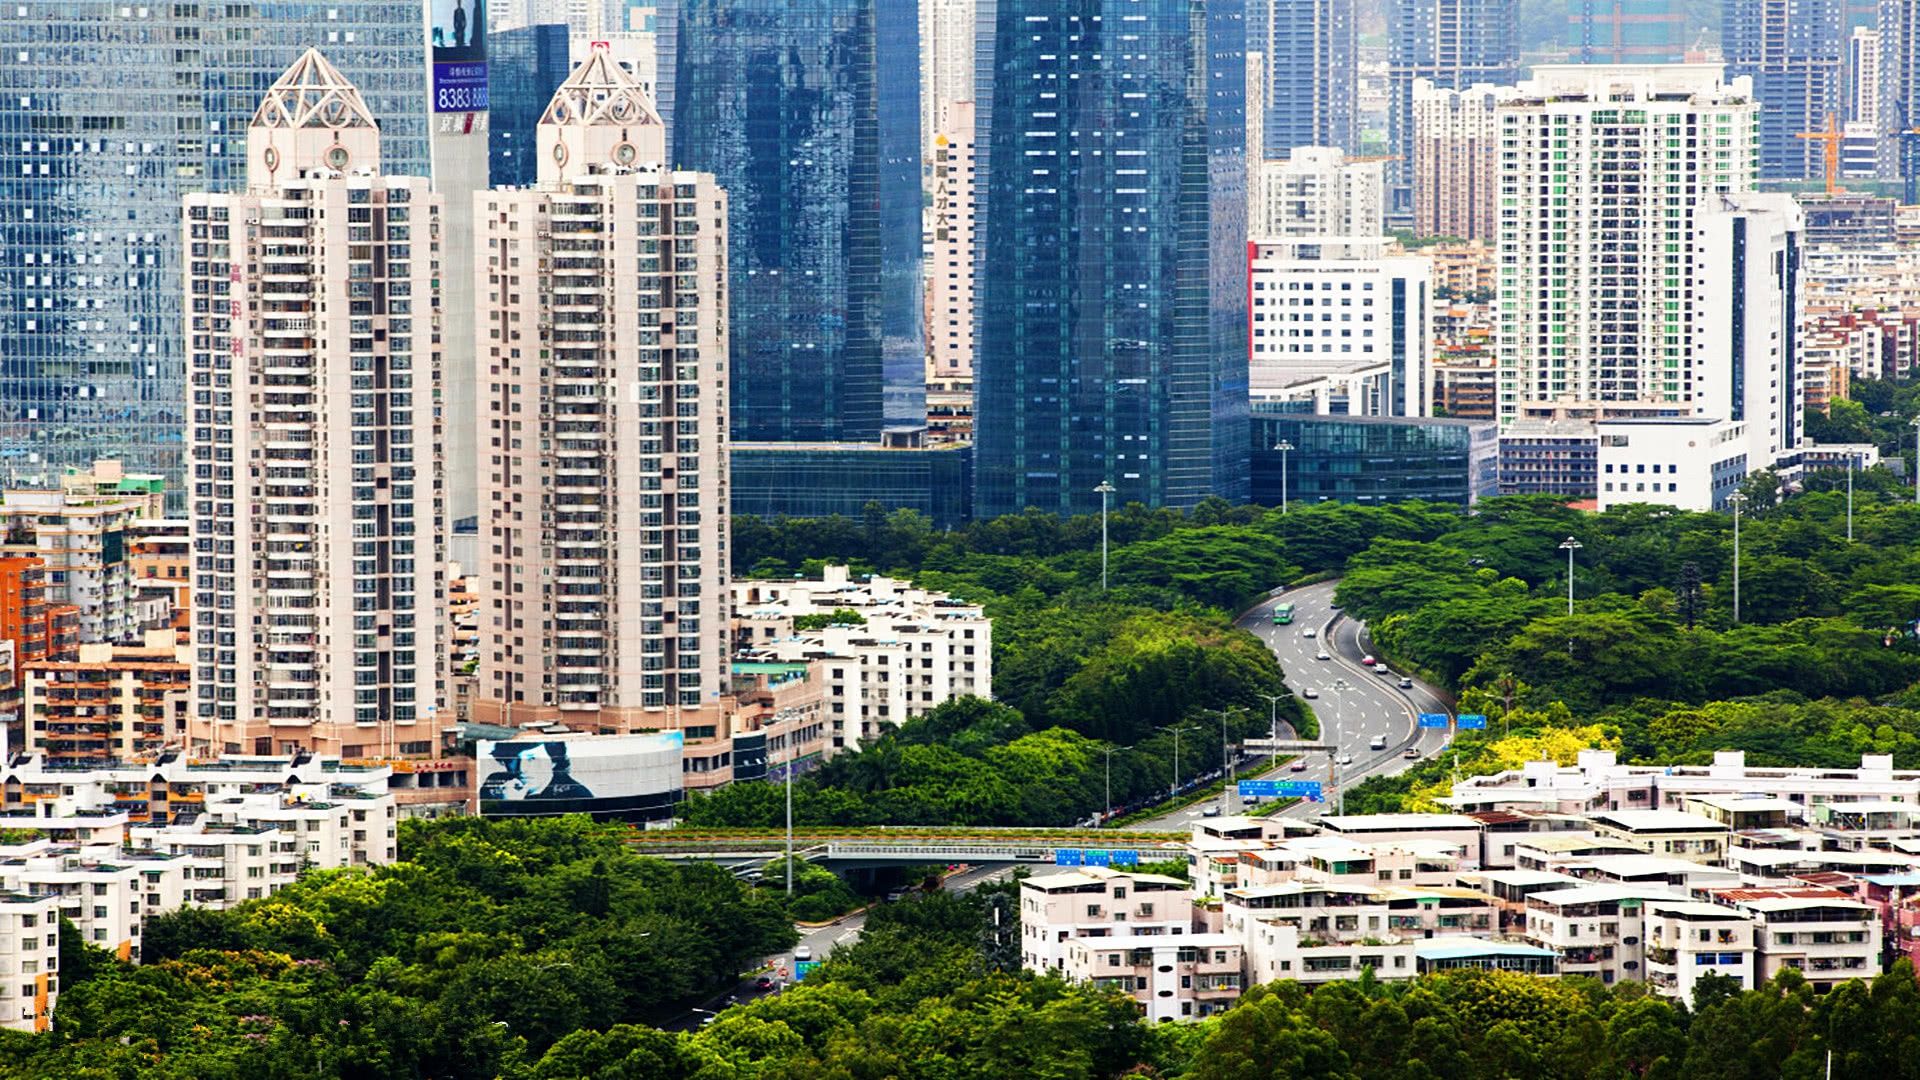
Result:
x=1299 y=765
x=1368 y=660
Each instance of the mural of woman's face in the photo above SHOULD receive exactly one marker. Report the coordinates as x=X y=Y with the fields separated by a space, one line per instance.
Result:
x=535 y=773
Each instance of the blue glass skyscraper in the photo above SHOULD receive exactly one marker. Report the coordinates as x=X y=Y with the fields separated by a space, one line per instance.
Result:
x=1454 y=43
x=1312 y=65
x=1111 y=272
x=528 y=63
x=776 y=98
x=109 y=113
x=897 y=95
x=1794 y=50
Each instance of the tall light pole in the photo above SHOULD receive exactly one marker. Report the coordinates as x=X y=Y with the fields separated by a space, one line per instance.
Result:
x=1738 y=499
x=1176 y=759
x=1339 y=691
x=1285 y=447
x=791 y=747
x=1226 y=763
x=1570 y=545
x=1273 y=721
x=1850 y=459
x=1106 y=490
x=1109 y=753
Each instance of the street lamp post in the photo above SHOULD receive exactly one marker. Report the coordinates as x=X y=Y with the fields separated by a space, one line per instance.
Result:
x=1285 y=447
x=1176 y=760
x=1738 y=499
x=1570 y=545
x=790 y=764
x=1273 y=722
x=1339 y=691
x=1106 y=490
x=1226 y=763
x=1109 y=784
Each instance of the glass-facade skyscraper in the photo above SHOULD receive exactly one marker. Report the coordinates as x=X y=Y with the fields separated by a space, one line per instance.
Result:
x=1111 y=263
x=897 y=97
x=1794 y=50
x=528 y=63
x=777 y=98
x=109 y=114
x=1312 y=65
x=1453 y=43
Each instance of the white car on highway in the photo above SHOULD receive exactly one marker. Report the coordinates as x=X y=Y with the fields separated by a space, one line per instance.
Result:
x=1309 y=632
x=1309 y=692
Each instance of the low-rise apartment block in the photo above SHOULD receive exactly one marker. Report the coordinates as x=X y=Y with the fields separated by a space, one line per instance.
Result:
x=900 y=652
x=29 y=961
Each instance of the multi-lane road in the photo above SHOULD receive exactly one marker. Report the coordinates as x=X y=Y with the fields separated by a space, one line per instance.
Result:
x=1370 y=706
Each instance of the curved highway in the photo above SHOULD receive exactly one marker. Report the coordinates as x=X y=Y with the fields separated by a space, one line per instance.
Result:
x=1372 y=705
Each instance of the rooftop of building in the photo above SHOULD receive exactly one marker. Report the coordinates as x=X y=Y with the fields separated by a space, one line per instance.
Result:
x=1359 y=823
x=1657 y=821
x=1461 y=948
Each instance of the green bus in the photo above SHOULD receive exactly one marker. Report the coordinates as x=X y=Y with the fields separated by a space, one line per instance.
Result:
x=1282 y=614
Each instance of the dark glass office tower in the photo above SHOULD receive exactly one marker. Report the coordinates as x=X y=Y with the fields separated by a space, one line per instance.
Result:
x=1455 y=43
x=1627 y=31
x=1793 y=50
x=777 y=99
x=1108 y=158
x=897 y=90
x=528 y=64
x=1312 y=62
x=110 y=112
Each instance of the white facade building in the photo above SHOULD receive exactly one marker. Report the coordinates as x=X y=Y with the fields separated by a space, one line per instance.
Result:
x=1744 y=385
x=1456 y=160
x=29 y=961
x=911 y=650
x=1318 y=191
x=949 y=291
x=1602 y=168
x=313 y=438
x=1341 y=318
x=1097 y=903
x=603 y=331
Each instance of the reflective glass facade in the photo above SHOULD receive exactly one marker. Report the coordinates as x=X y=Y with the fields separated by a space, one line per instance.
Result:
x=807 y=481
x=1312 y=52
x=1371 y=460
x=897 y=95
x=1111 y=330
x=1793 y=50
x=109 y=114
x=1455 y=43
x=776 y=98
x=527 y=64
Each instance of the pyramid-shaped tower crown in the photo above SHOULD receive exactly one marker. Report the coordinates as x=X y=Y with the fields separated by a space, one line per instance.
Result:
x=312 y=117
x=601 y=116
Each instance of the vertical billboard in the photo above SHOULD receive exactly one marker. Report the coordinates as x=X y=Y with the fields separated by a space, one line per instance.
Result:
x=629 y=777
x=457 y=35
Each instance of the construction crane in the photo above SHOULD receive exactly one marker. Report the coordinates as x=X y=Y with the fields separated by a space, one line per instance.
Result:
x=1831 y=137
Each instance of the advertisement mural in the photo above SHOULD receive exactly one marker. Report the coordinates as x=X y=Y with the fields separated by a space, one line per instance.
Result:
x=458 y=34
x=630 y=777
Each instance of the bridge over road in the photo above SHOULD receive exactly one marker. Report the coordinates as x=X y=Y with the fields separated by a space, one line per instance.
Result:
x=853 y=848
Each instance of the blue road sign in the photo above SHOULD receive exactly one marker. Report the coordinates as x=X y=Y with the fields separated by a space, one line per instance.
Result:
x=1433 y=719
x=1087 y=857
x=1125 y=858
x=1280 y=789
x=1470 y=721
x=1098 y=858
x=1068 y=857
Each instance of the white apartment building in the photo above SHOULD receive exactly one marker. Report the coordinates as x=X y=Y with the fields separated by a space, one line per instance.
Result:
x=1172 y=978
x=603 y=339
x=1456 y=160
x=1744 y=384
x=1597 y=781
x=1863 y=77
x=1319 y=191
x=1098 y=904
x=1595 y=930
x=1688 y=939
x=29 y=961
x=1671 y=833
x=910 y=649
x=1601 y=170
x=949 y=289
x=1825 y=934
x=1328 y=311
x=1315 y=933
x=313 y=436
